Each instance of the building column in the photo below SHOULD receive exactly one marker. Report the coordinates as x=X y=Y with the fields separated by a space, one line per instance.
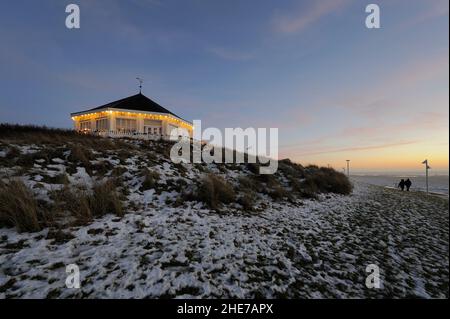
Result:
x=165 y=127
x=112 y=122
x=93 y=128
x=140 y=124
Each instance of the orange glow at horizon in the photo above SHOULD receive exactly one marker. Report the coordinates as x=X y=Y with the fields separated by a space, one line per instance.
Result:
x=402 y=158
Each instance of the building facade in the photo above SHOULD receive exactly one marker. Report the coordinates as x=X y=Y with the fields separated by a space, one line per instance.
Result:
x=135 y=116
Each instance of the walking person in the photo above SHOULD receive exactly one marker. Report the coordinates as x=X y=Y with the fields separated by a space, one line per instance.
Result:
x=401 y=185
x=408 y=184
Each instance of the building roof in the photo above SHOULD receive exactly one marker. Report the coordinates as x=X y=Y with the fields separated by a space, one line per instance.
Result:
x=138 y=102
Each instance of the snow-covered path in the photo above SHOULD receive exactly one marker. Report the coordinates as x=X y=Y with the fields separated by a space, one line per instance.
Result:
x=318 y=249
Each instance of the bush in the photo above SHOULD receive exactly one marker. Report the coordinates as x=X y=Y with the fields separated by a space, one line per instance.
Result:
x=214 y=190
x=277 y=192
x=325 y=180
x=105 y=199
x=150 y=179
x=76 y=203
x=101 y=168
x=245 y=183
x=247 y=200
x=84 y=205
x=291 y=170
x=18 y=207
x=80 y=155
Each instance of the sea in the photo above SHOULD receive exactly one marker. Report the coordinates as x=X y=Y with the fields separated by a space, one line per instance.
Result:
x=436 y=183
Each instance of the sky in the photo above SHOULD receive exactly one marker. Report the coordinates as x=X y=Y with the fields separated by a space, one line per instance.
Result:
x=335 y=89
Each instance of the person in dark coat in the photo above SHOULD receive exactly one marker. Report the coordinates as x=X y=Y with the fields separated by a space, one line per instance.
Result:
x=408 y=184
x=401 y=184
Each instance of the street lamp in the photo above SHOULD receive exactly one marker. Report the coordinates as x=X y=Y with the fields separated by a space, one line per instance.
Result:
x=427 y=167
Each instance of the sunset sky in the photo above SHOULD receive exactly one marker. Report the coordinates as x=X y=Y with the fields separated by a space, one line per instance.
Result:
x=335 y=89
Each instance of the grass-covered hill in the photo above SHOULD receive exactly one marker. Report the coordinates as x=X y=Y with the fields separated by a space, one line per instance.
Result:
x=56 y=178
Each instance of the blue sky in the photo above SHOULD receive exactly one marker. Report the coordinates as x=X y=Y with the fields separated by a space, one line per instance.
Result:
x=334 y=88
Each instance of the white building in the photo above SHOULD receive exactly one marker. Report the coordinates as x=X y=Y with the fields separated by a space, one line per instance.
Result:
x=135 y=116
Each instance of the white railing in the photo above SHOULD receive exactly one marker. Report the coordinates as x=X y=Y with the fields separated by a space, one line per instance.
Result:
x=129 y=134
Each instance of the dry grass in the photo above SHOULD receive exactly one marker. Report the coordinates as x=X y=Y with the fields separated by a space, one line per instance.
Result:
x=247 y=201
x=26 y=213
x=18 y=207
x=42 y=135
x=105 y=199
x=80 y=155
x=150 y=179
x=74 y=202
x=84 y=205
x=214 y=191
x=325 y=180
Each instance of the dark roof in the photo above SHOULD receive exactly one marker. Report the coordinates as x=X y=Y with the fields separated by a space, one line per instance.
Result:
x=138 y=102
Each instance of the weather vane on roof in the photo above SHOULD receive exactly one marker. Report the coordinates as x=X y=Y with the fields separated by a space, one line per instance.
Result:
x=140 y=84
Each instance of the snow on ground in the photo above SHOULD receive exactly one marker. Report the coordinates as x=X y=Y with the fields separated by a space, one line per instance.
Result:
x=313 y=249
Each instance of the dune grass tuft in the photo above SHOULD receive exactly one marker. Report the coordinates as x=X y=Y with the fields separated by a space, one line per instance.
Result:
x=18 y=207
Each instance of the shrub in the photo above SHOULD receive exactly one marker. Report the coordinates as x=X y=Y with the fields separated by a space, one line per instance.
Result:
x=105 y=199
x=84 y=205
x=291 y=170
x=18 y=207
x=247 y=200
x=214 y=190
x=101 y=168
x=277 y=192
x=150 y=179
x=80 y=155
x=245 y=183
x=76 y=203
x=325 y=180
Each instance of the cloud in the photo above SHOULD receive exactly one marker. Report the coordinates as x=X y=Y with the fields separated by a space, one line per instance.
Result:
x=371 y=137
x=421 y=121
x=302 y=19
x=229 y=54
x=357 y=148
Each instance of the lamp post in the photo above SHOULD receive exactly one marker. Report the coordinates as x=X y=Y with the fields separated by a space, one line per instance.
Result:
x=427 y=167
x=348 y=168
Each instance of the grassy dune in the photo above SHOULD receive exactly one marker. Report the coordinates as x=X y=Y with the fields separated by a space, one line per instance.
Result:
x=139 y=226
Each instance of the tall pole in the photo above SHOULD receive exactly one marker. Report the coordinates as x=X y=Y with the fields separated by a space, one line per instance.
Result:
x=348 y=168
x=427 y=167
